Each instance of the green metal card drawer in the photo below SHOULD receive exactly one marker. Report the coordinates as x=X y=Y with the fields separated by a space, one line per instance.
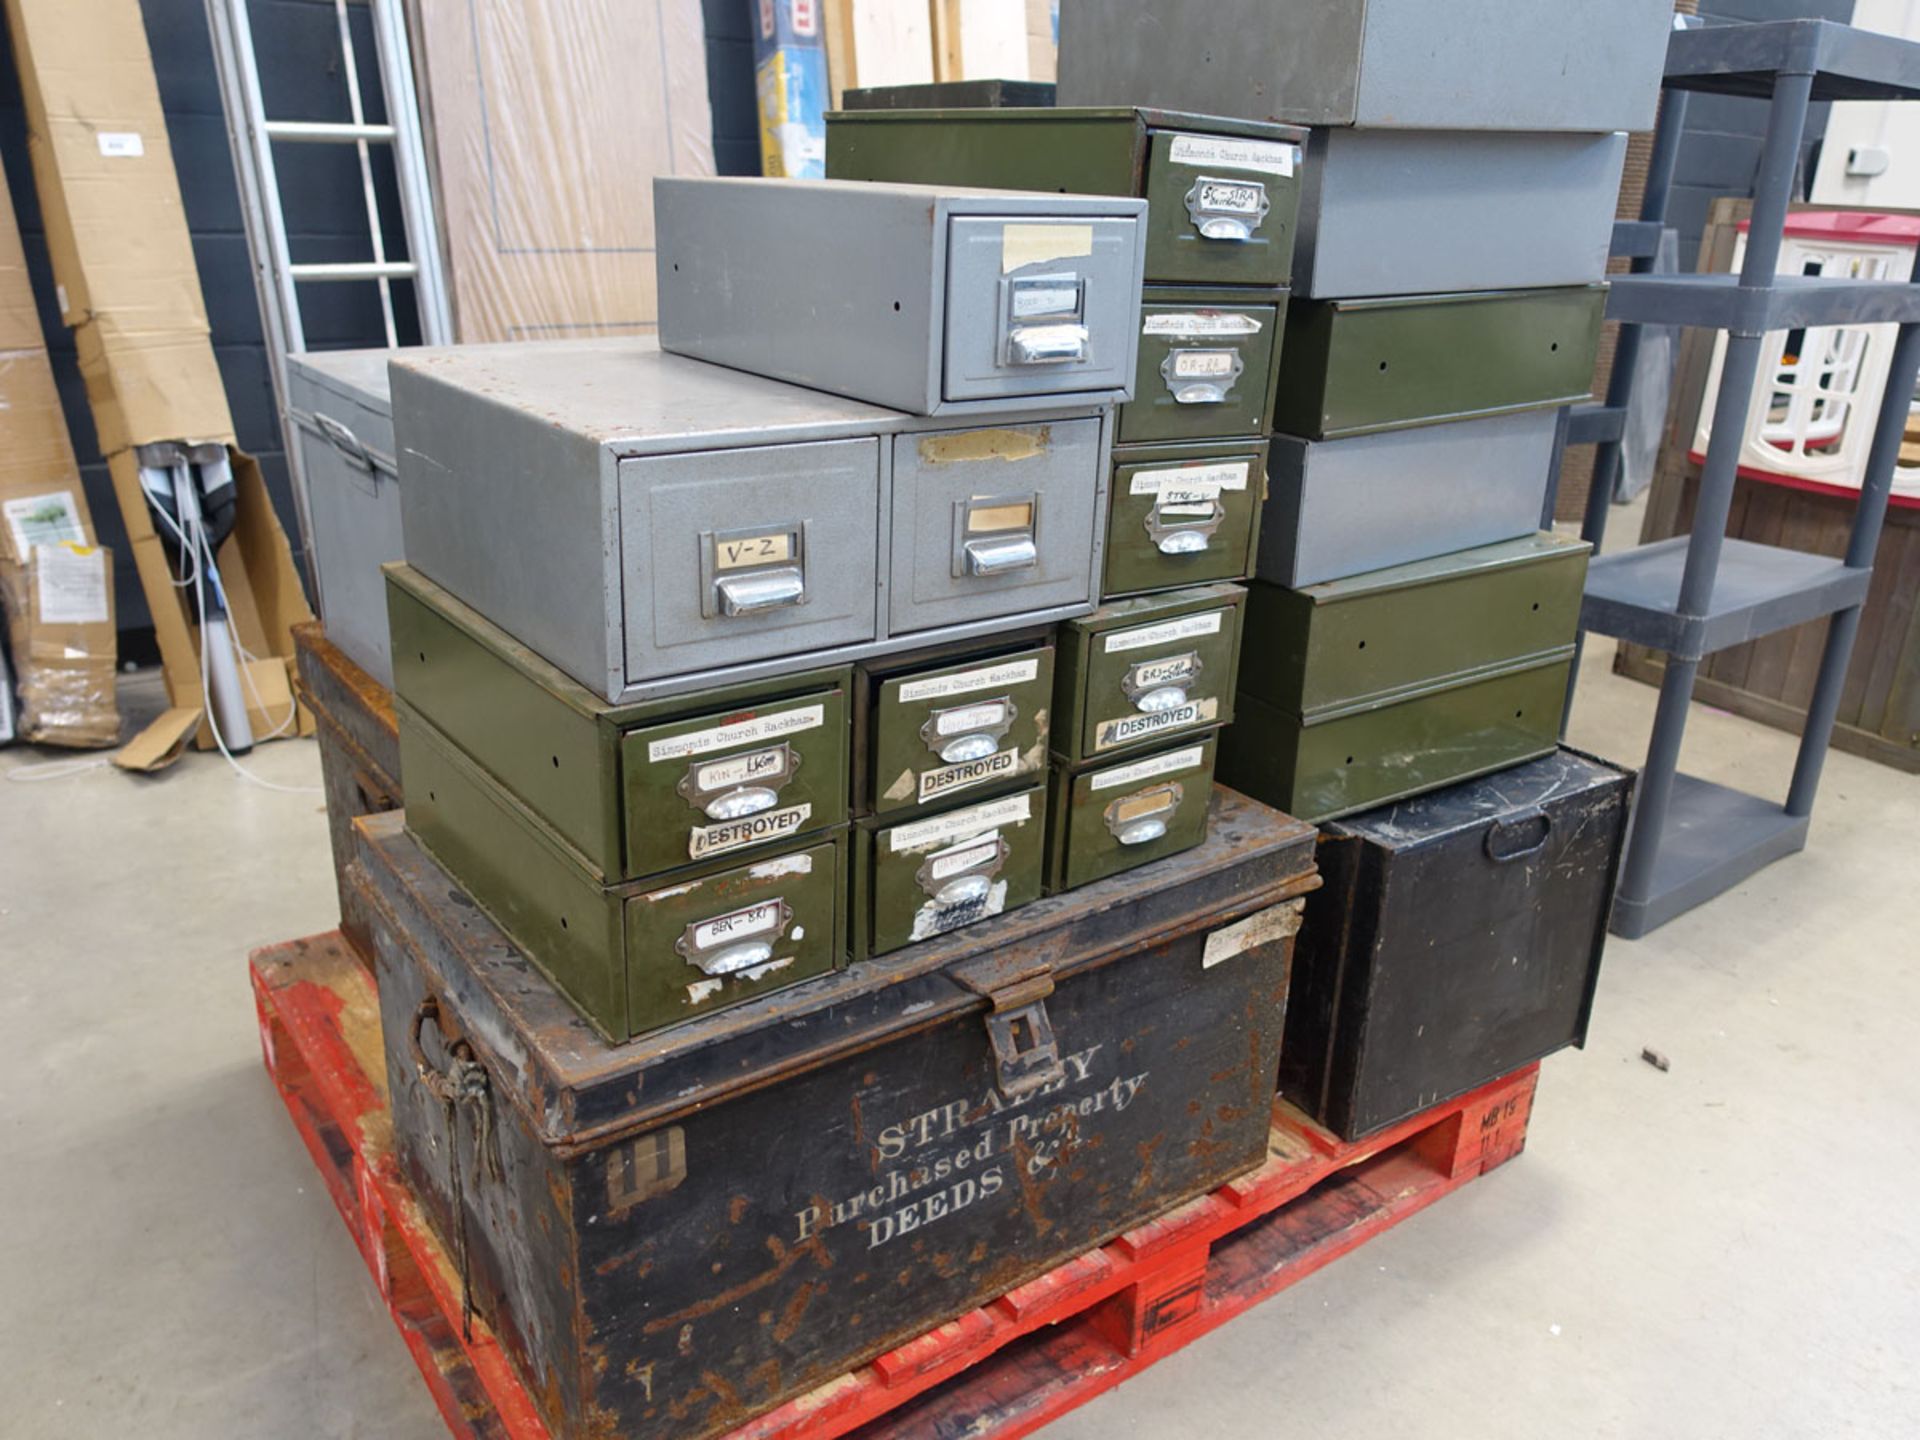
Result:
x=1350 y=761
x=934 y=874
x=1353 y=366
x=940 y=728
x=635 y=957
x=1206 y=366
x=1116 y=817
x=1223 y=195
x=1141 y=671
x=1183 y=515
x=633 y=789
x=1386 y=635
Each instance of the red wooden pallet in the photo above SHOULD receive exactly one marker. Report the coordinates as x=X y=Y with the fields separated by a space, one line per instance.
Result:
x=999 y=1372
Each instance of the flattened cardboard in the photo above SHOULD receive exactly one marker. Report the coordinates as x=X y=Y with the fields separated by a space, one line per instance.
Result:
x=530 y=122
x=161 y=743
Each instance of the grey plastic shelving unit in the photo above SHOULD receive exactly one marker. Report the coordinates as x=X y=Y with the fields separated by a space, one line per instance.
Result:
x=1700 y=593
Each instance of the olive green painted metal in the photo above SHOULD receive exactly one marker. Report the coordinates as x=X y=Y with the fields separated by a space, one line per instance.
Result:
x=1347 y=762
x=1139 y=672
x=930 y=875
x=1183 y=515
x=1349 y=367
x=641 y=956
x=1207 y=365
x=953 y=726
x=1103 y=821
x=635 y=790
x=1223 y=195
x=1385 y=636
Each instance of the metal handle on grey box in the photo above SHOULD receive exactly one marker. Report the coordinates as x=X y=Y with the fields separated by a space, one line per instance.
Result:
x=762 y=590
x=345 y=441
x=1001 y=555
x=1514 y=825
x=1048 y=345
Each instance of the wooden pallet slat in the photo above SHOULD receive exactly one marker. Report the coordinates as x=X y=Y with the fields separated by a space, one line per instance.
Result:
x=996 y=1373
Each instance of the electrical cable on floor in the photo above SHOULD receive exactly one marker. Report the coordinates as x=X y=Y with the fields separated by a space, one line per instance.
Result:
x=54 y=769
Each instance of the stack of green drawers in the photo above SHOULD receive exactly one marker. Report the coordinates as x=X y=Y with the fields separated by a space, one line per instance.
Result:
x=1146 y=682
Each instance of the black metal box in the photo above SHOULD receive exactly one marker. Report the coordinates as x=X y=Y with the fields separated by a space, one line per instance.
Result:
x=1456 y=938
x=672 y=1235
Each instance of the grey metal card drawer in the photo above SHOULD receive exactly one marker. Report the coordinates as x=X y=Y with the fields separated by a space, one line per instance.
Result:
x=993 y=522
x=920 y=298
x=340 y=405
x=1399 y=212
x=728 y=554
x=1343 y=507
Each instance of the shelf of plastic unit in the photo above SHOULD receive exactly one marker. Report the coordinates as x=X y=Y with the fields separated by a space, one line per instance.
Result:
x=1758 y=589
x=1636 y=239
x=1744 y=59
x=1595 y=424
x=1721 y=302
x=1714 y=838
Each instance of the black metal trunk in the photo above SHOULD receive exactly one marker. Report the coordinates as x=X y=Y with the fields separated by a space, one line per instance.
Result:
x=1457 y=937
x=675 y=1234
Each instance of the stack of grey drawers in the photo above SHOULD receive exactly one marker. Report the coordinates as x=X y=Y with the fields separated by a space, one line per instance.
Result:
x=720 y=660
x=1456 y=210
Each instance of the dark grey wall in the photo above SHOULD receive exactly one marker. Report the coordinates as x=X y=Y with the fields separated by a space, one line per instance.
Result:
x=1720 y=151
x=297 y=45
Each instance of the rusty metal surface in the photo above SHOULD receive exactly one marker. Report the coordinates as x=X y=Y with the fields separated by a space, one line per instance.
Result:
x=332 y=685
x=724 y=1242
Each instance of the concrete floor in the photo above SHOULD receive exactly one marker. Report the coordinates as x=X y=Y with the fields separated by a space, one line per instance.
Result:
x=1727 y=1249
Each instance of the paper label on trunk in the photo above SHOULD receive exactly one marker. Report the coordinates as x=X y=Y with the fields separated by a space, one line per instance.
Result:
x=750 y=731
x=755 y=920
x=1270 y=157
x=72 y=581
x=50 y=519
x=704 y=840
x=988 y=677
x=962 y=858
x=1129 y=728
x=122 y=144
x=1198 y=482
x=949 y=779
x=923 y=834
x=1168 y=764
x=1261 y=928
x=1166 y=633
x=1192 y=323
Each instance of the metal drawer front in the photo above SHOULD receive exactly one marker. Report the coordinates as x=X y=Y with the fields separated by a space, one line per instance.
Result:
x=1121 y=816
x=1221 y=210
x=992 y=522
x=1372 y=756
x=705 y=944
x=932 y=875
x=1352 y=366
x=736 y=555
x=1205 y=370
x=1342 y=507
x=1458 y=937
x=1394 y=633
x=940 y=734
x=1143 y=671
x=743 y=779
x=1184 y=516
x=1038 y=307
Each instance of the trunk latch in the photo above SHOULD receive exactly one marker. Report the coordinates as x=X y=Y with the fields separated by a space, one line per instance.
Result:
x=1026 y=1057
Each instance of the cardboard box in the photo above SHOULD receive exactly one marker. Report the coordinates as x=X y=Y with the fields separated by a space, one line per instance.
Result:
x=548 y=121
x=124 y=265
x=61 y=625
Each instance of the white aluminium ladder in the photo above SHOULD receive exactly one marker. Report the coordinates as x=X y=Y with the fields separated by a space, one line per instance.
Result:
x=253 y=136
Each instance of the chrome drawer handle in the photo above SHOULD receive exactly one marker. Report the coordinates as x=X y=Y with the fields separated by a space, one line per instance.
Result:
x=738 y=804
x=735 y=958
x=762 y=590
x=1229 y=210
x=1001 y=556
x=1167 y=697
x=1143 y=817
x=1142 y=832
x=1048 y=345
x=967 y=890
x=1184 y=542
x=1201 y=377
x=963 y=748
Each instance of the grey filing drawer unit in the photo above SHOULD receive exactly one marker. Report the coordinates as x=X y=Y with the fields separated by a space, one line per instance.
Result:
x=1399 y=64
x=643 y=520
x=338 y=400
x=927 y=299
x=1337 y=508
x=1399 y=212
